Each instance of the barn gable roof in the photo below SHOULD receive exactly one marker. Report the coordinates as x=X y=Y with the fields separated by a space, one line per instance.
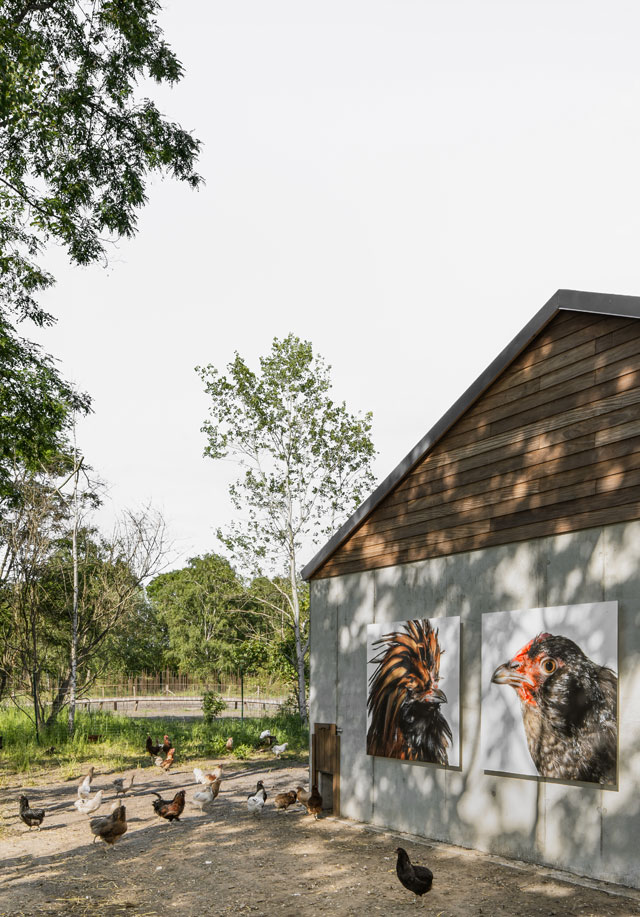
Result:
x=563 y=300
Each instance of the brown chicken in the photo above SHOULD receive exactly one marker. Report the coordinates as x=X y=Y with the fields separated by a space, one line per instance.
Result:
x=314 y=802
x=171 y=810
x=166 y=745
x=109 y=827
x=569 y=709
x=284 y=800
x=168 y=761
x=303 y=795
x=229 y=743
x=404 y=697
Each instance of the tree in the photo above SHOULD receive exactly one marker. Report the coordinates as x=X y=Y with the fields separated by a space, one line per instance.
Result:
x=306 y=465
x=196 y=605
x=77 y=142
x=36 y=412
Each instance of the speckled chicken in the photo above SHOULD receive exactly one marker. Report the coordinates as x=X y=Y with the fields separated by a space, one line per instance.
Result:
x=31 y=817
x=569 y=709
x=284 y=800
x=109 y=827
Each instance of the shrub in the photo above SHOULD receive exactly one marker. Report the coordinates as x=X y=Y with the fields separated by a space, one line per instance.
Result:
x=212 y=705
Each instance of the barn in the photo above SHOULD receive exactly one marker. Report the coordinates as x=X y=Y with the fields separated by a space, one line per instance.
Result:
x=475 y=626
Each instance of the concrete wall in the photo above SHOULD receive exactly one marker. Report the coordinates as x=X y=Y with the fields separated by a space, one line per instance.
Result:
x=587 y=829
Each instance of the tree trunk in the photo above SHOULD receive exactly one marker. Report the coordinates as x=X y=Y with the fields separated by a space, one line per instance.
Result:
x=74 y=624
x=59 y=700
x=300 y=653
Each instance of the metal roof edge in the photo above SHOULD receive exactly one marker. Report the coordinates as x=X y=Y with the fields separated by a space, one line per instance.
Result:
x=569 y=300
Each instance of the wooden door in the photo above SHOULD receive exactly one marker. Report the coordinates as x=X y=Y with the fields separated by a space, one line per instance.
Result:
x=325 y=765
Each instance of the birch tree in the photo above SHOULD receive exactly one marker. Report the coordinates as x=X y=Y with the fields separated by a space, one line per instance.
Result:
x=305 y=460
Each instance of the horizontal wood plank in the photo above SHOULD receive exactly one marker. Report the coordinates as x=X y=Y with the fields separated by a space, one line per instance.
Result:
x=552 y=446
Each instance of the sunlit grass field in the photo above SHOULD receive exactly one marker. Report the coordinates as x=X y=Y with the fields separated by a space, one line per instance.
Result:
x=120 y=743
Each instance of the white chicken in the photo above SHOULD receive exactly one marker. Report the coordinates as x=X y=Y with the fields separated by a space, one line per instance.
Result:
x=201 y=777
x=265 y=733
x=278 y=749
x=84 y=790
x=255 y=804
x=204 y=797
x=87 y=806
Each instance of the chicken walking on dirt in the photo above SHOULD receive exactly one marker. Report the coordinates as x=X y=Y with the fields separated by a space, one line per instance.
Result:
x=169 y=809
x=314 y=802
x=284 y=800
x=89 y=805
x=418 y=879
x=109 y=827
x=569 y=709
x=84 y=790
x=31 y=817
x=123 y=784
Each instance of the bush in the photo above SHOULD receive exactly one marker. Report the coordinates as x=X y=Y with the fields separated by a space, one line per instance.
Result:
x=212 y=705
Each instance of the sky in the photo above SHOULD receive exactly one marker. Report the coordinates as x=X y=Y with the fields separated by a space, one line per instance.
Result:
x=404 y=184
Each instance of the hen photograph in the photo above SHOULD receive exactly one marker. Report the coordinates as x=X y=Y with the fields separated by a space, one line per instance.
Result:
x=413 y=701
x=550 y=692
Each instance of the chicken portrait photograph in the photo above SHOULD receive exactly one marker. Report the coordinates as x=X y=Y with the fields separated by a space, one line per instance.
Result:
x=550 y=692
x=410 y=716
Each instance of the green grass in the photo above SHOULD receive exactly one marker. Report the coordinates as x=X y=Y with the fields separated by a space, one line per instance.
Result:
x=122 y=742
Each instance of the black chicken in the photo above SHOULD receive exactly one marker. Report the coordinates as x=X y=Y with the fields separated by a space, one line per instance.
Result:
x=418 y=879
x=404 y=697
x=30 y=816
x=569 y=709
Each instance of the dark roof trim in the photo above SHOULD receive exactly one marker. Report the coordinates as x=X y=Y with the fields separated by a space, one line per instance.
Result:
x=568 y=300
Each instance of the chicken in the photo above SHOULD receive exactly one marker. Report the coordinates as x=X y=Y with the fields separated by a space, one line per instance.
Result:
x=171 y=810
x=168 y=761
x=279 y=749
x=87 y=806
x=109 y=827
x=84 y=790
x=207 y=796
x=404 y=698
x=123 y=785
x=284 y=800
x=267 y=739
x=303 y=795
x=255 y=804
x=314 y=802
x=418 y=879
x=166 y=745
x=153 y=750
x=569 y=709
x=229 y=743
x=201 y=777
x=260 y=791
x=30 y=816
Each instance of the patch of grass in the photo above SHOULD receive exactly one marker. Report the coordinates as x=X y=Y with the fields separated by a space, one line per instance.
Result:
x=121 y=741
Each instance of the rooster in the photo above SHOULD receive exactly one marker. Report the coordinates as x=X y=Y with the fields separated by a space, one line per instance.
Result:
x=153 y=750
x=171 y=810
x=569 y=709
x=404 y=697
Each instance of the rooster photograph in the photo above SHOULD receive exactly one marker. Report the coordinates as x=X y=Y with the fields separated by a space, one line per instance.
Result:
x=407 y=663
x=560 y=718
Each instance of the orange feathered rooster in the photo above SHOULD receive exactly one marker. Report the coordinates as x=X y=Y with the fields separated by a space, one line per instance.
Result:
x=404 y=697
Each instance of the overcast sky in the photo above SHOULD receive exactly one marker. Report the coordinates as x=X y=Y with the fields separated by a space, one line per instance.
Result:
x=404 y=184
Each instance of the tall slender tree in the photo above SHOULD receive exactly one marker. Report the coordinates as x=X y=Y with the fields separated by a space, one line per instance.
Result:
x=306 y=465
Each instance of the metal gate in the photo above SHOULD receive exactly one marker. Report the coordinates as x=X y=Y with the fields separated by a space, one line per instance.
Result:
x=325 y=767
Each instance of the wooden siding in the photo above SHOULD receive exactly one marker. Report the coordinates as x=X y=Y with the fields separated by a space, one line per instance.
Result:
x=553 y=445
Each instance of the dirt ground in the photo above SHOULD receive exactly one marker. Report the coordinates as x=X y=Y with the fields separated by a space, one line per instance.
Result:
x=228 y=862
